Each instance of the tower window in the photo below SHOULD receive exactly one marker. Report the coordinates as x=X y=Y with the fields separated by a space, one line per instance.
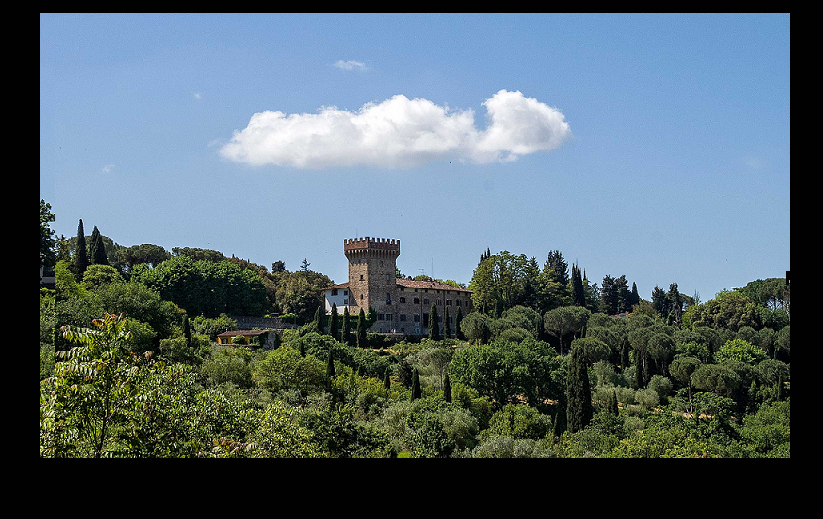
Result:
x=361 y=277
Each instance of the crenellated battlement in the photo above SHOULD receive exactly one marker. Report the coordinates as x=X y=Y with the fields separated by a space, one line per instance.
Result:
x=367 y=244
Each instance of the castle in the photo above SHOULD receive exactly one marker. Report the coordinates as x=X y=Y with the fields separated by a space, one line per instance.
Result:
x=402 y=305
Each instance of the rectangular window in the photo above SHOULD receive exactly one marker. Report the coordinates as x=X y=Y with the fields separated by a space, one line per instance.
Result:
x=425 y=319
x=448 y=302
x=402 y=299
x=425 y=301
x=416 y=318
x=334 y=291
x=417 y=300
x=389 y=317
x=457 y=302
x=402 y=317
x=380 y=317
x=345 y=292
x=345 y=301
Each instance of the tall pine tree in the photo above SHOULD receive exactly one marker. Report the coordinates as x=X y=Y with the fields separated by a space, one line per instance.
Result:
x=330 y=368
x=458 y=333
x=333 y=324
x=447 y=327
x=97 y=249
x=360 y=335
x=318 y=321
x=345 y=335
x=578 y=294
x=578 y=392
x=415 y=392
x=187 y=330
x=434 y=329
x=81 y=258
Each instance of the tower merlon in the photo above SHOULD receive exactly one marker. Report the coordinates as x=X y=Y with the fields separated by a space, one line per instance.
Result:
x=354 y=245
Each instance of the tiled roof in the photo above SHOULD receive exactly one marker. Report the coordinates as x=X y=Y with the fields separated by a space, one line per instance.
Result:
x=411 y=283
x=342 y=285
x=242 y=332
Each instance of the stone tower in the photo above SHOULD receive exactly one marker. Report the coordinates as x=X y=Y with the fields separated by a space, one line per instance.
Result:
x=372 y=263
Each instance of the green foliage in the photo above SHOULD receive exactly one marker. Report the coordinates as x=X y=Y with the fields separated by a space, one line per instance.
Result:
x=519 y=422
x=476 y=327
x=506 y=371
x=740 y=350
x=47 y=241
x=81 y=258
x=105 y=401
x=205 y=287
x=711 y=382
x=564 y=321
x=579 y=410
x=228 y=365
x=729 y=310
x=284 y=368
x=434 y=327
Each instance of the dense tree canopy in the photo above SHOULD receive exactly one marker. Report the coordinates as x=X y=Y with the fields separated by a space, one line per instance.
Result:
x=548 y=365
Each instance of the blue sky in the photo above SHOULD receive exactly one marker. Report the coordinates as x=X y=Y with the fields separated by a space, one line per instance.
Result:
x=654 y=146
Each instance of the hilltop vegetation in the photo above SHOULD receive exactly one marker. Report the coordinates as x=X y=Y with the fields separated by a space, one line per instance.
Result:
x=550 y=364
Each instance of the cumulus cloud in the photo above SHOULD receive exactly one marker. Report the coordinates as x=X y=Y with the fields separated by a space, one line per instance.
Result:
x=399 y=132
x=350 y=65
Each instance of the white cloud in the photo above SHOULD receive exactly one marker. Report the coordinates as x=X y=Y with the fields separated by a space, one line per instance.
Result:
x=198 y=95
x=350 y=65
x=399 y=132
x=107 y=168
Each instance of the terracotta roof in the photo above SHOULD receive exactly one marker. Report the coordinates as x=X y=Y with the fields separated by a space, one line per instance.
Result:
x=342 y=285
x=234 y=333
x=411 y=283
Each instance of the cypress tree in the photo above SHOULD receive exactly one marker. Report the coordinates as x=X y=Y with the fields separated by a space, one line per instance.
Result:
x=578 y=390
x=560 y=417
x=415 y=393
x=330 y=368
x=578 y=294
x=97 y=249
x=318 y=321
x=434 y=329
x=187 y=330
x=387 y=379
x=447 y=388
x=458 y=333
x=361 y=329
x=447 y=327
x=344 y=334
x=81 y=258
x=333 y=321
